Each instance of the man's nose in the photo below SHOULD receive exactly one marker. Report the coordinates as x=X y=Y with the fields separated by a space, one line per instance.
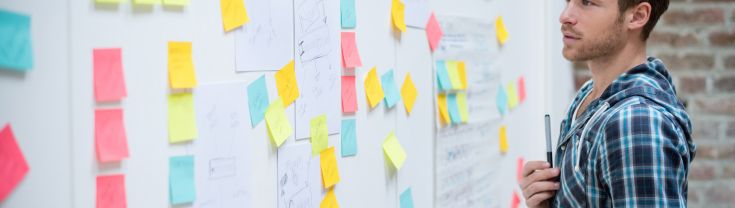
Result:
x=568 y=16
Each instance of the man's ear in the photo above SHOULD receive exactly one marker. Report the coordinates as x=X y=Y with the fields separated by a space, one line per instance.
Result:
x=638 y=16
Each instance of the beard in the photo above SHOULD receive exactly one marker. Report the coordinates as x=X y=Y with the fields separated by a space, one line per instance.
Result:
x=596 y=46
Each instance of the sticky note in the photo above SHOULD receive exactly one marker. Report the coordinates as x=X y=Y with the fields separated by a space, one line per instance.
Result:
x=348 y=15
x=392 y=96
x=510 y=91
x=501 y=100
x=181 y=119
x=181 y=179
x=319 y=134
x=464 y=113
x=109 y=135
x=15 y=33
x=515 y=201
x=503 y=139
x=394 y=151
x=279 y=128
x=442 y=76
x=146 y=2
x=350 y=55
x=286 y=83
x=330 y=172
x=176 y=2
x=406 y=199
x=453 y=109
x=330 y=200
x=443 y=112
x=349 y=137
x=234 y=13
x=519 y=169
x=257 y=100
x=180 y=65
x=398 y=13
x=349 y=97
x=109 y=82
x=373 y=88
x=433 y=32
x=462 y=74
x=522 y=89
x=12 y=161
x=500 y=31
x=453 y=73
x=409 y=93
x=111 y=191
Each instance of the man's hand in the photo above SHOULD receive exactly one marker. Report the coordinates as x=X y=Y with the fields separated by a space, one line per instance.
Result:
x=537 y=185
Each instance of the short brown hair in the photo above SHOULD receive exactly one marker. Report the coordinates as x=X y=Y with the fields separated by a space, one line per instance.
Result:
x=658 y=7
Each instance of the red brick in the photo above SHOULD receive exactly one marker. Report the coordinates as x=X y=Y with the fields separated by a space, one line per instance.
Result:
x=726 y=151
x=718 y=105
x=692 y=84
x=730 y=132
x=705 y=129
x=730 y=62
x=721 y=193
x=722 y=38
x=707 y=16
x=728 y=171
x=672 y=39
x=701 y=171
x=705 y=152
x=725 y=84
x=688 y=61
x=693 y=196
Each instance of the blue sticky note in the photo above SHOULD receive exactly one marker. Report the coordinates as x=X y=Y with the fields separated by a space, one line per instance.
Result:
x=257 y=100
x=501 y=100
x=453 y=108
x=406 y=199
x=15 y=41
x=349 y=138
x=348 y=15
x=442 y=76
x=392 y=96
x=181 y=179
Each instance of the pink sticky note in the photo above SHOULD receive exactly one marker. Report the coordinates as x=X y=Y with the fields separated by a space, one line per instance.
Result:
x=350 y=56
x=111 y=191
x=349 y=100
x=13 y=165
x=519 y=169
x=109 y=82
x=516 y=200
x=109 y=135
x=433 y=32
x=522 y=89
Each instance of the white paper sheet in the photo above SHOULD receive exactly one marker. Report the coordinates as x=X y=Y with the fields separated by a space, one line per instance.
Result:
x=265 y=43
x=417 y=13
x=299 y=177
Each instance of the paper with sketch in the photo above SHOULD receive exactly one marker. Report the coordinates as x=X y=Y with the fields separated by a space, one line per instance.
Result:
x=265 y=43
x=222 y=167
x=299 y=176
x=318 y=68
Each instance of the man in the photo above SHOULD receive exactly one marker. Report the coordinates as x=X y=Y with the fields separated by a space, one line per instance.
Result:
x=626 y=139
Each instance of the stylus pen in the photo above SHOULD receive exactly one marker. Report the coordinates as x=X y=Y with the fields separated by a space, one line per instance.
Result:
x=548 y=140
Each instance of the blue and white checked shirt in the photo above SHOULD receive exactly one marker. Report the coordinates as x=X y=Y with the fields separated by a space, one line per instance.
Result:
x=630 y=148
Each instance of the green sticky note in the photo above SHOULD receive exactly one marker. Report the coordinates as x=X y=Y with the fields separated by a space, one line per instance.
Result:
x=319 y=134
x=347 y=13
x=349 y=138
x=392 y=96
x=181 y=119
x=406 y=199
x=462 y=104
x=181 y=179
x=16 y=52
x=394 y=151
x=454 y=77
x=257 y=100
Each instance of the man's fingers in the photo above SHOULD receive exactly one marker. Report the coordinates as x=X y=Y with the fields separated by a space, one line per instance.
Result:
x=532 y=166
x=539 y=187
x=539 y=198
x=539 y=175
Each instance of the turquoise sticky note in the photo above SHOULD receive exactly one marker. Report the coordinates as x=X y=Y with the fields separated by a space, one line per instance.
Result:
x=453 y=108
x=257 y=100
x=442 y=76
x=501 y=100
x=347 y=13
x=406 y=199
x=181 y=179
x=15 y=41
x=349 y=138
x=392 y=96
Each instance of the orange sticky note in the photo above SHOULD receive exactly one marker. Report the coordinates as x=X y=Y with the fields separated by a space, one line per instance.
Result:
x=503 y=139
x=443 y=111
x=109 y=135
x=109 y=82
x=350 y=55
x=111 y=191
x=180 y=65
x=373 y=88
x=501 y=31
x=330 y=200
x=462 y=74
x=522 y=89
x=409 y=93
x=330 y=172
x=12 y=161
x=398 y=13
x=234 y=13
x=349 y=99
x=286 y=83
x=434 y=32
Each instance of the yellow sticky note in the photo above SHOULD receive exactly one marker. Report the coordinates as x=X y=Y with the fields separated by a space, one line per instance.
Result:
x=454 y=74
x=278 y=126
x=510 y=90
x=462 y=105
x=394 y=151
x=441 y=99
x=330 y=172
x=462 y=74
x=398 y=12
x=319 y=134
x=286 y=83
x=503 y=140
x=373 y=88
x=409 y=93
x=234 y=13
x=500 y=30
x=330 y=200
x=176 y=2
x=180 y=65
x=181 y=119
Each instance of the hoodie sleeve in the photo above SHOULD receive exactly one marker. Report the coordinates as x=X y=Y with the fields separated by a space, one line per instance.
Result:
x=642 y=163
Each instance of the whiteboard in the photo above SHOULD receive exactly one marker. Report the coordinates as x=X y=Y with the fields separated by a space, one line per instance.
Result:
x=51 y=107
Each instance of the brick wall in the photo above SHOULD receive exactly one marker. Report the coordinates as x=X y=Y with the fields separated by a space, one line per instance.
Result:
x=696 y=41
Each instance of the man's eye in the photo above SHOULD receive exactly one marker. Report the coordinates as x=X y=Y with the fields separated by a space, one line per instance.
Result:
x=586 y=2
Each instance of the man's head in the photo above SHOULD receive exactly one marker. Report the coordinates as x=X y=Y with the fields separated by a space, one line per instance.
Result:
x=598 y=28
